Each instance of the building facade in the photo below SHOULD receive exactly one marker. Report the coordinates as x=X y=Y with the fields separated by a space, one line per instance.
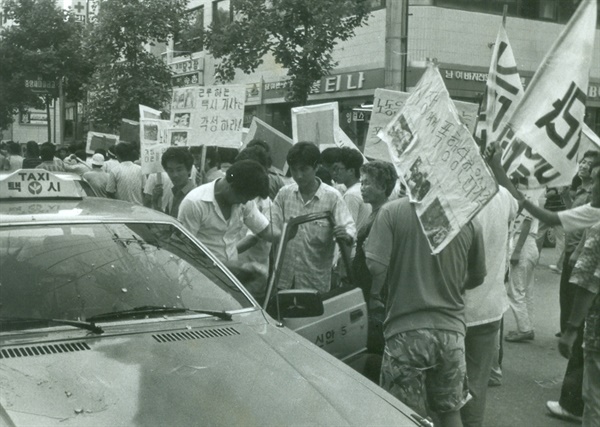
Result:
x=457 y=34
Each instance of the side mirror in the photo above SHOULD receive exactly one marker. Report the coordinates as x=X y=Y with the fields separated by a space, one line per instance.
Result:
x=291 y=303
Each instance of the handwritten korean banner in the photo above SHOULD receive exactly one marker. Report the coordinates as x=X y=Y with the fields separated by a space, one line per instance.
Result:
x=153 y=143
x=386 y=104
x=438 y=160
x=208 y=115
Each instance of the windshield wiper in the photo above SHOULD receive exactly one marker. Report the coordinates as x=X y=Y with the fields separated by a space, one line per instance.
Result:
x=90 y=326
x=151 y=309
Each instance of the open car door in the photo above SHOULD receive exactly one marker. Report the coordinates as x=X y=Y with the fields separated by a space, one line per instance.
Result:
x=336 y=321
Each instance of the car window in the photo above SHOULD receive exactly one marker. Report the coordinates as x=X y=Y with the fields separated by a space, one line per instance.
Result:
x=78 y=271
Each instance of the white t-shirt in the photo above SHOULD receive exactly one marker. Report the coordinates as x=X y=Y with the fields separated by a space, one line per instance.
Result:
x=579 y=218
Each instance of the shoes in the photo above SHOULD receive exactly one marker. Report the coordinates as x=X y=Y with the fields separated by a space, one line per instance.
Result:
x=555 y=268
x=560 y=412
x=495 y=382
x=515 y=336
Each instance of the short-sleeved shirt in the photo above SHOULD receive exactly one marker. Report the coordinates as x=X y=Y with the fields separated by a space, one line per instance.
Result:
x=200 y=213
x=573 y=235
x=425 y=291
x=54 y=165
x=98 y=179
x=309 y=255
x=586 y=274
x=359 y=210
x=15 y=162
x=125 y=181
x=578 y=219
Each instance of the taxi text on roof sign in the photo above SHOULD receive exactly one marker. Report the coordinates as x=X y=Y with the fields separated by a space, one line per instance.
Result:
x=37 y=183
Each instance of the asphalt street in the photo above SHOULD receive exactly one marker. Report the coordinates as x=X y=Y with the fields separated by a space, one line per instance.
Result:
x=533 y=370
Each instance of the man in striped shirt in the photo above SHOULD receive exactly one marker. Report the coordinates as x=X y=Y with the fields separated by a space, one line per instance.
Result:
x=125 y=179
x=309 y=255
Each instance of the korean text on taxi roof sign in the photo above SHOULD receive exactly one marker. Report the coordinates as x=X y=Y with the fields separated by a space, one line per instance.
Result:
x=36 y=183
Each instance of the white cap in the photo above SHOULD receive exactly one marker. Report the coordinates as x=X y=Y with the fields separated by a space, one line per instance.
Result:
x=98 y=159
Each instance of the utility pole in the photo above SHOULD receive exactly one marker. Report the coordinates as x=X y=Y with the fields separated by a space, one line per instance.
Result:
x=396 y=44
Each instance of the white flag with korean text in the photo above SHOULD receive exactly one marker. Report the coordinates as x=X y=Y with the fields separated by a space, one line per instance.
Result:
x=542 y=137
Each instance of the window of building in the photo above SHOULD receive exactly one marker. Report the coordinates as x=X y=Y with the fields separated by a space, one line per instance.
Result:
x=222 y=12
x=191 y=40
x=376 y=4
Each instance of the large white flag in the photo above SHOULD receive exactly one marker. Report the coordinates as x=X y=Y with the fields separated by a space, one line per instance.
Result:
x=542 y=137
x=504 y=90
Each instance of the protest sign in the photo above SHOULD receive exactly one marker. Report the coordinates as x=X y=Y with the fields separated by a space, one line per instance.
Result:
x=207 y=115
x=386 y=104
x=153 y=143
x=148 y=113
x=97 y=140
x=279 y=143
x=438 y=160
x=541 y=139
x=315 y=123
x=130 y=132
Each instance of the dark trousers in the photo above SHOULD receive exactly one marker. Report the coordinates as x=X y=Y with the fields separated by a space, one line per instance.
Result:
x=571 y=392
x=566 y=292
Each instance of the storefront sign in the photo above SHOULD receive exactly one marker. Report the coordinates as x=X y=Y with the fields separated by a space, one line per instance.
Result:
x=594 y=91
x=191 y=79
x=34 y=117
x=187 y=66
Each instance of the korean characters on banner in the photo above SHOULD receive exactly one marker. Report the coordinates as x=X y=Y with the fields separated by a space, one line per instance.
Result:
x=541 y=139
x=153 y=143
x=438 y=160
x=207 y=115
x=386 y=104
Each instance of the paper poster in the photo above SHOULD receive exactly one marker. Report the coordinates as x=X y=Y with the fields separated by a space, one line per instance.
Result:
x=316 y=124
x=148 y=113
x=280 y=144
x=386 y=104
x=153 y=143
x=207 y=115
x=438 y=160
x=97 y=140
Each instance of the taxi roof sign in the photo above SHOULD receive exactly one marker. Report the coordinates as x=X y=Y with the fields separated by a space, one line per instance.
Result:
x=37 y=184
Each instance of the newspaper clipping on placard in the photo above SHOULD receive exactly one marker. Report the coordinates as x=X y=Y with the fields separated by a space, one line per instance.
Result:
x=207 y=115
x=438 y=160
x=153 y=143
x=97 y=140
x=387 y=103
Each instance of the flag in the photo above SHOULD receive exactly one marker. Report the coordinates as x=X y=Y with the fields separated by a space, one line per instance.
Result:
x=541 y=138
x=503 y=91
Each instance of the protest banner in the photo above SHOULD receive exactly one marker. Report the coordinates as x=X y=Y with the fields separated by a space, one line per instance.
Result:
x=148 y=113
x=541 y=139
x=504 y=90
x=153 y=143
x=386 y=104
x=279 y=143
x=438 y=160
x=97 y=140
x=315 y=123
x=207 y=115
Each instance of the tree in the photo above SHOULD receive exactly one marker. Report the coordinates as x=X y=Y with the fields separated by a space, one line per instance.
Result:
x=127 y=73
x=44 y=42
x=299 y=34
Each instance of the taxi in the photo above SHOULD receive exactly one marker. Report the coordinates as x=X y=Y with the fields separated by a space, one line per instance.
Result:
x=113 y=314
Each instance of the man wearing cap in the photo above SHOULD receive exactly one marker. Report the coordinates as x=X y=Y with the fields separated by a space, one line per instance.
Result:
x=97 y=178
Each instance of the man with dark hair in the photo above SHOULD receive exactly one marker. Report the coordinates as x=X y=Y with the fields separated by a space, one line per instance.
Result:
x=346 y=170
x=216 y=212
x=49 y=162
x=125 y=179
x=210 y=170
x=310 y=254
x=15 y=158
x=168 y=195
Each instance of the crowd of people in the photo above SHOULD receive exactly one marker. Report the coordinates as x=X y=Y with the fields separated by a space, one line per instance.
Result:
x=435 y=319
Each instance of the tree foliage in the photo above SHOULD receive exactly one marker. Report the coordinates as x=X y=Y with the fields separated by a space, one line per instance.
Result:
x=45 y=42
x=299 y=34
x=126 y=72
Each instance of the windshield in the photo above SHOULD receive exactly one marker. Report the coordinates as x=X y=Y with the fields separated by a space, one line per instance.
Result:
x=84 y=270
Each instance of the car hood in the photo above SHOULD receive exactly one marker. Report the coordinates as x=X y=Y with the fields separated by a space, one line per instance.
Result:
x=226 y=374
